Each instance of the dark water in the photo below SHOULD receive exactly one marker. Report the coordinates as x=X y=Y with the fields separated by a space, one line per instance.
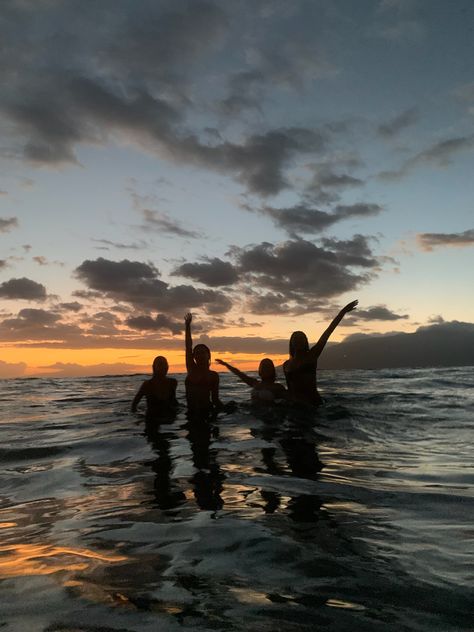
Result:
x=356 y=517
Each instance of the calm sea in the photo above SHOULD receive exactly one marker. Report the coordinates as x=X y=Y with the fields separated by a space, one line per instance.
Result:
x=357 y=516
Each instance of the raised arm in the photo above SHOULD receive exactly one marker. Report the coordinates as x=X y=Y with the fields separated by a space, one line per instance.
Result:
x=315 y=351
x=137 y=398
x=251 y=381
x=188 y=342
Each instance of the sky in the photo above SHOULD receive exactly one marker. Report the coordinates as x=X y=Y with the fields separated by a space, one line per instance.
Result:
x=258 y=163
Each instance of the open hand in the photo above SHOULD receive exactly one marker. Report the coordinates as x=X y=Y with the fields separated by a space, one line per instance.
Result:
x=350 y=306
x=188 y=318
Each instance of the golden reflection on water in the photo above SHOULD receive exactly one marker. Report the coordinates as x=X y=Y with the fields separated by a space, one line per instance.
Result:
x=40 y=559
x=7 y=525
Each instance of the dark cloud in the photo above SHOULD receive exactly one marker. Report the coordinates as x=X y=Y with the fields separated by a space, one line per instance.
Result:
x=378 y=312
x=40 y=260
x=398 y=123
x=163 y=223
x=246 y=90
x=127 y=73
x=213 y=272
x=138 y=284
x=7 y=223
x=73 y=306
x=302 y=219
x=428 y=241
x=161 y=321
x=23 y=289
x=302 y=272
x=440 y=154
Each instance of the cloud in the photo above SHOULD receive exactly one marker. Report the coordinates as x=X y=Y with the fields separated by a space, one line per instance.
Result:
x=378 y=312
x=40 y=260
x=163 y=223
x=132 y=246
x=36 y=324
x=7 y=223
x=439 y=154
x=303 y=272
x=161 y=321
x=23 y=289
x=73 y=306
x=8 y=370
x=139 y=284
x=3 y=263
x=213 y=272
x=428 y=241
x=302 y=219
x=398 y=123
x=132 y=76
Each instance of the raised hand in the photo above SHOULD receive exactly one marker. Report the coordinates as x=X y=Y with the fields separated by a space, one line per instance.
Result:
x=219 y=361
x=188 y=318
x=350 y=306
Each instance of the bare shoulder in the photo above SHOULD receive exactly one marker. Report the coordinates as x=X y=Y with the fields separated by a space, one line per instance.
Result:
x=172 y=381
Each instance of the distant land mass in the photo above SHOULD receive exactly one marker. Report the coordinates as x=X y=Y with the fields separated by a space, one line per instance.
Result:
x=439 y=345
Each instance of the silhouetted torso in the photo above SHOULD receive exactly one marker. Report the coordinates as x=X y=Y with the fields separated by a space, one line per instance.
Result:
x=301 y=381
x=160 y=396
x=199 y=386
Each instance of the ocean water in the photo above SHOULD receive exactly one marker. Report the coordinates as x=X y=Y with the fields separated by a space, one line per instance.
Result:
x=357 y=516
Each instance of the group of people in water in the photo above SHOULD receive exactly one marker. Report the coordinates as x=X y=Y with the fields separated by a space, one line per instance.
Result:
x=202 y=384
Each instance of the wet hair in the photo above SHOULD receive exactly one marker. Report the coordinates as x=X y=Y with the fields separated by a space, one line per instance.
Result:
x=202 y=347
x=292 y=342
x=266 y=362
x=161 y=360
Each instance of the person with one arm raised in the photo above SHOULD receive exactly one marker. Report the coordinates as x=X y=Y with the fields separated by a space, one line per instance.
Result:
x=300 y=368
x=202 y=384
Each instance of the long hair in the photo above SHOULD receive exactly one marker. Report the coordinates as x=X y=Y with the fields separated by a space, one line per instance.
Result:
x=292 y=342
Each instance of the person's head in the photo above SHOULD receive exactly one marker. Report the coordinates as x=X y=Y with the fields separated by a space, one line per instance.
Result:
x=160 y=366
x=202 y=355
x=266 y=370
x=298 y=343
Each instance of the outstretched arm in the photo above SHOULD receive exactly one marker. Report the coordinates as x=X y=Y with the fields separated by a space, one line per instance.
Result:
x=188 y=342
x=316 y=351
x=137 y=398
x=251 y=381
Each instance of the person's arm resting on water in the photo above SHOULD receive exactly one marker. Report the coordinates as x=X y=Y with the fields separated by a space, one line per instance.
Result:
x=316 y=351
x=188 y=342
x=251 y=381
x=137 y=398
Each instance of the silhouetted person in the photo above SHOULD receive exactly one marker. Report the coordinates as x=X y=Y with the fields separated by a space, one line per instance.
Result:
x=202 y=384
x=265 y=390
x=300 y=368
x=160 y=392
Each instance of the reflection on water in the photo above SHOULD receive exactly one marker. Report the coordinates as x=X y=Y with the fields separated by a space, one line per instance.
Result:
x=357 y=516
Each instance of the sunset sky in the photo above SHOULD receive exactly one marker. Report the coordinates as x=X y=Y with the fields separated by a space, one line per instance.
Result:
x=260 y=163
